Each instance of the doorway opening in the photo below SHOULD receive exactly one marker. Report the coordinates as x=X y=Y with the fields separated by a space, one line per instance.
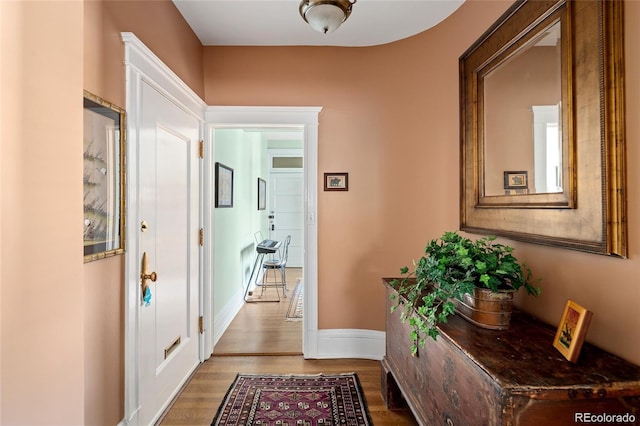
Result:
x=218 y=315
x=268 y=185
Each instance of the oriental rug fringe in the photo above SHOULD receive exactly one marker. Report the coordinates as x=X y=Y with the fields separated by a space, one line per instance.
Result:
x=294 y=312
x=294 y=400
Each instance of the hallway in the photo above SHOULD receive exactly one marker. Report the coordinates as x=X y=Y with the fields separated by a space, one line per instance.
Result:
x=260 y=328
x=259 y=340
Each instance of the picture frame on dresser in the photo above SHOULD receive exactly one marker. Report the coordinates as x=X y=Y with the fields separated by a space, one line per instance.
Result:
x=572 y=330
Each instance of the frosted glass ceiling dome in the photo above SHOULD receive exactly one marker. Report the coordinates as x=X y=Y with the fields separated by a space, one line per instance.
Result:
x=326 y=16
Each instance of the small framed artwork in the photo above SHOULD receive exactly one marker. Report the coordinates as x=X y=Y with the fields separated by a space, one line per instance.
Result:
x=516 y=180
x=224 y=186
x=262 y=194
x=103 y=178
x=572 y=330
x=336 y=181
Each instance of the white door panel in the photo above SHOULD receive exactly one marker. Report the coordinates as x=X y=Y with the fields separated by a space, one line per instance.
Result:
x=288 y=186
x=169 y=187
x=286 y=204
x=289 y=221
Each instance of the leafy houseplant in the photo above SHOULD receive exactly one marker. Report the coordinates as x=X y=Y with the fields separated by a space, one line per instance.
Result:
x=451 y=267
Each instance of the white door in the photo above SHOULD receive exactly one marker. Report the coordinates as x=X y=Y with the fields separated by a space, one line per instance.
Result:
x=168 y=197
x=287 y=209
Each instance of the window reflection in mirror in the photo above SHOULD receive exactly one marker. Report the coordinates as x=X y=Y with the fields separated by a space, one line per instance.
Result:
x=547 y=148
x=522 y=117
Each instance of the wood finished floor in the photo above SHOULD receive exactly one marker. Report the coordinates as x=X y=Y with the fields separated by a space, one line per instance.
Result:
x=259 y=340
x=260 y=328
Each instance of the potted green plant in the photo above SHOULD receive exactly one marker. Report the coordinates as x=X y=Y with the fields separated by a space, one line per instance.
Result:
x=453 y=270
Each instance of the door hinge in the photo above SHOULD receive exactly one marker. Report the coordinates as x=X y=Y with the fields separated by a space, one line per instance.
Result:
x=201 y=149
x=201 y=324
x=201 y=237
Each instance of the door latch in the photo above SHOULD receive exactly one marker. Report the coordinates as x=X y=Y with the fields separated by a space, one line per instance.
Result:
x=144 y=276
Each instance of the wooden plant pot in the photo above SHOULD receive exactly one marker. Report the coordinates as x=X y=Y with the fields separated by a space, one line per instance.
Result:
x=486 y=308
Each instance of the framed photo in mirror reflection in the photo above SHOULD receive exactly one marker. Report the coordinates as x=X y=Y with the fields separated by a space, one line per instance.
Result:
x=516 y=182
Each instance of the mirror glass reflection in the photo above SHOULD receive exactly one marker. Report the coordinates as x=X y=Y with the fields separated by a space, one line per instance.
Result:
x=522 y=102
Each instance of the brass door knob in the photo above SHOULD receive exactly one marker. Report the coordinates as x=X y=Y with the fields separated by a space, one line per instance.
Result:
x=152 y=276
x=144 y=276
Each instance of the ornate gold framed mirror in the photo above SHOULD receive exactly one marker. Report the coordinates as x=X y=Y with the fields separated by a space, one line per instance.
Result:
x=542 y=127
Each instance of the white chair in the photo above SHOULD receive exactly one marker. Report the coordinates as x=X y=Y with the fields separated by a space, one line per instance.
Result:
x=275 y=264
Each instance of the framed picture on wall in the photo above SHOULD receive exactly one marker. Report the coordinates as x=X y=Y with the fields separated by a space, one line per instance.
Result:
x=262 y=194
x=516 y=180
x=103 y=178
x=224 y=186
x=572 y=330
x=336 y=181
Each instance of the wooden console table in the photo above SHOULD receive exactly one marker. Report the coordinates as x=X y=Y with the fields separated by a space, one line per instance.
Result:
x=473 y=376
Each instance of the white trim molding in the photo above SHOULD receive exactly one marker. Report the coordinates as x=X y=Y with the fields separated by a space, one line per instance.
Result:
x=223 y=320
x=259 y=116
x=351 y=343
x=142 y=62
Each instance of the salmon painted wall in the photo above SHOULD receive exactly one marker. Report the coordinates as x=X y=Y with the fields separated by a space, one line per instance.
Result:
x=390 y=118
x=42 y=290
x=104 y=75
x=176 y=44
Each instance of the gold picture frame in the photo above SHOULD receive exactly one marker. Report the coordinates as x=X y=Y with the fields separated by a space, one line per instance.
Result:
x=103 y=178
x=572 y=330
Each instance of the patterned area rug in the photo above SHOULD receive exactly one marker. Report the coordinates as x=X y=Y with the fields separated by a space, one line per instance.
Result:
x=294 y=312
x=294 y=400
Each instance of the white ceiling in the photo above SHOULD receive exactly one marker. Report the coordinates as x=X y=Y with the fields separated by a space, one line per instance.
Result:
x=278 y=23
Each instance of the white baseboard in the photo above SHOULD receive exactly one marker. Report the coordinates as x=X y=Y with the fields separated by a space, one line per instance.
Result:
x=222 y=319
x=334 y=343
x=351 y=343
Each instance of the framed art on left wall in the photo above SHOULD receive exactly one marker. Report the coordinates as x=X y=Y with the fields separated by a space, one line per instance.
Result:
x=262 y=194
x=224 y=186
x=103 y=178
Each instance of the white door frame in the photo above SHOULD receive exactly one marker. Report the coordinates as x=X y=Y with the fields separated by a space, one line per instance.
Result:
x=143 y=65
x=278 y=117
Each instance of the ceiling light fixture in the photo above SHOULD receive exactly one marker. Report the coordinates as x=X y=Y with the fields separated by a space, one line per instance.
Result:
x=326 y=16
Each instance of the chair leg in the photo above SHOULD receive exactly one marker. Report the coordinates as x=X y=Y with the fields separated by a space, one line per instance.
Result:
x=275 y=284
x=266 y=283
x=283 y=277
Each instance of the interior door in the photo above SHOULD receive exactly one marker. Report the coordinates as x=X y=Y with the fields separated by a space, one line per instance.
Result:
x=286 y=206
x=168 y=197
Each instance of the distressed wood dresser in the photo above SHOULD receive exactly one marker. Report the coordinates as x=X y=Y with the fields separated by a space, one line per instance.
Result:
x=473 y=376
